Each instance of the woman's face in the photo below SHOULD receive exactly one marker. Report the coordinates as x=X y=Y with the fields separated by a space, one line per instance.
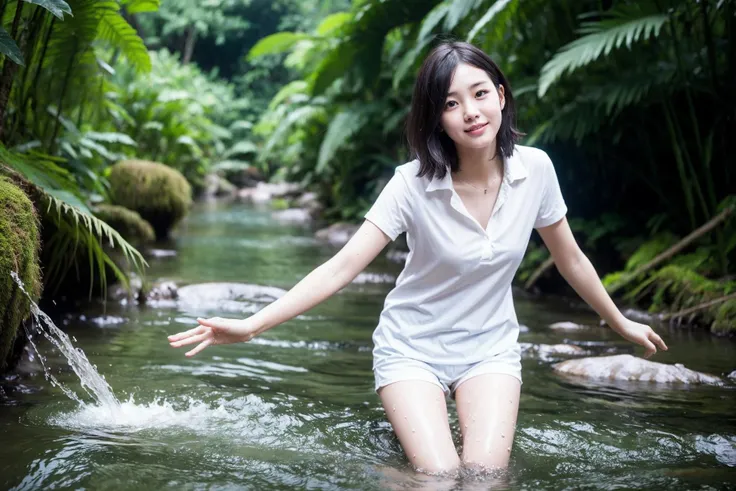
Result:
x=472 y=113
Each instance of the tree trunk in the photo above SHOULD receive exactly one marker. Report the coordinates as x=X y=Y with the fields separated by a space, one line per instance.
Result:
x=189 y=44
x=9 y=69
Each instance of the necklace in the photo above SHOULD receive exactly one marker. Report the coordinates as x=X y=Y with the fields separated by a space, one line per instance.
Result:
x=485 y=190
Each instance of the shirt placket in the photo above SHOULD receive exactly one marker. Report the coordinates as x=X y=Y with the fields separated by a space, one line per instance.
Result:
x=489 y=232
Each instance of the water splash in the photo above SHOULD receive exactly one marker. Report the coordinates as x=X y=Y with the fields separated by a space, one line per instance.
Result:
x=92 y=382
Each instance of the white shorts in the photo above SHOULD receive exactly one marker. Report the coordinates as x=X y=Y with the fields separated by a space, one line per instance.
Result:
x=448 y=377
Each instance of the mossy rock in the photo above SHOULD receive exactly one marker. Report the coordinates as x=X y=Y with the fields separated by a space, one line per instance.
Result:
x=19 y=247
x=127 y=223
x=160 y=194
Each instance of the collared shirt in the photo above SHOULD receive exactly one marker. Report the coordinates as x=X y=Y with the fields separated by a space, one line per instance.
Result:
x=452 y=302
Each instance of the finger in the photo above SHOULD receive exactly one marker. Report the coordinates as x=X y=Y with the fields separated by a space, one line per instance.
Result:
x=656 y=339
x=213 y=322
x=650 y=348
x=186 y=334
x=190 y=340
x=199 y=348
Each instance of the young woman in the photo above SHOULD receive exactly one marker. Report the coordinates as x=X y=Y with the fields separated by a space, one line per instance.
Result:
x=468 y=203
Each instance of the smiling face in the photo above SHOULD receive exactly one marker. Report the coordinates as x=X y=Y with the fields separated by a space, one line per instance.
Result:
x=472 y=113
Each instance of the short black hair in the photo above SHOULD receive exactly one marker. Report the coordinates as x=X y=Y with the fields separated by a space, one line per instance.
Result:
x=434 y=149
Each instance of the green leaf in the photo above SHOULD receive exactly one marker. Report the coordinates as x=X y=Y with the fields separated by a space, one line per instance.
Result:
x=457 y=11
x=111 y=137
x=333 y=22
x=276 y=43
x=341 y=128
x=115 y=29
x=241 y=148
x=600 y=39
x=9 y=48
x=498 y=6
x=56 y=7
x=433 y=18
x=138 y=6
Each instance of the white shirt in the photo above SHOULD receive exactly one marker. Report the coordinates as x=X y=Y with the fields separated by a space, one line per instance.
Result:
x=452 y=303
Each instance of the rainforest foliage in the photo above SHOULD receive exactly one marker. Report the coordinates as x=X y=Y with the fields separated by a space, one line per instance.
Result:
x=634 y=101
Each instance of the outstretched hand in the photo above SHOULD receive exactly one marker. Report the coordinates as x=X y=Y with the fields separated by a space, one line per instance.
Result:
x=215 y=330
x=643 y=335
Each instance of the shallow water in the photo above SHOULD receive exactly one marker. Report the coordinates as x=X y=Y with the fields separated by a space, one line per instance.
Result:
x=295 y=408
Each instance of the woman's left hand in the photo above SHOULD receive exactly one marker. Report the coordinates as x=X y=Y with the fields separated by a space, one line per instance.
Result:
x=643 y=335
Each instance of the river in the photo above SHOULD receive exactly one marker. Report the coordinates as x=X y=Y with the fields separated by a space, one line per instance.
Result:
x=295 y=408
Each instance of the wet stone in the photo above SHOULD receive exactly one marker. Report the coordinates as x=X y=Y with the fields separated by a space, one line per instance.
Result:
x=631 y=368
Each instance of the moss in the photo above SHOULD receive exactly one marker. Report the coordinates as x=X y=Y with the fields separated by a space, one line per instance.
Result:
x=127 y=223
x=19 y=246
x=677 y=288
x=160 y=194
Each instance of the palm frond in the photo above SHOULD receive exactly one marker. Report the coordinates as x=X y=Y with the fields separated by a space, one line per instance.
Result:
x=622 y=26
x=497 y=7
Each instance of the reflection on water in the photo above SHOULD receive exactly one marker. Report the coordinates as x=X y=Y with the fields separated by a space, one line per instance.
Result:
x=295 y=408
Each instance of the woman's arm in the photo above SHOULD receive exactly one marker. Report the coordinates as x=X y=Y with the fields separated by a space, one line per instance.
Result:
x=323 y=282
x=578 y=271
x=327 y=279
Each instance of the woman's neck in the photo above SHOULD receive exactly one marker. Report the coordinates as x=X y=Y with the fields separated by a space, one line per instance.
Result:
x=480 y=166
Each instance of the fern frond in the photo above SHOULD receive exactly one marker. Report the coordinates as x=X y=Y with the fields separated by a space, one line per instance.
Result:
x=114 y=29
x=624 y=26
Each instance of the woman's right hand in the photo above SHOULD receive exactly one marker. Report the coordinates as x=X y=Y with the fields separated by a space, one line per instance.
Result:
x=215 y=330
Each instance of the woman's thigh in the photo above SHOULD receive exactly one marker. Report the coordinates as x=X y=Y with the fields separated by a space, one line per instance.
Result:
x=487 y=407
x=418 y=413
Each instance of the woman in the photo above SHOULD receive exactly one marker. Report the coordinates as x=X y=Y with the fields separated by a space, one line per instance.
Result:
x=468 y=203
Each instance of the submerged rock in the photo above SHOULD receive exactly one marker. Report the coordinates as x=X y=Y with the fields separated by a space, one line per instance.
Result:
x=227 y=296
x=628 y=367
x=732 y=375
x=337 y=234
x=265 y=191
x=293 y=215
x=567 y=326
x=363 y=278
x=551 y=351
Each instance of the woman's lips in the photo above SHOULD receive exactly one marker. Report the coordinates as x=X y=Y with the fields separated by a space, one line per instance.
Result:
x=477 y=129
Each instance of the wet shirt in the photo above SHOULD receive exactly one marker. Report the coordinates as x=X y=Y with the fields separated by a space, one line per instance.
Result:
x=452 y=302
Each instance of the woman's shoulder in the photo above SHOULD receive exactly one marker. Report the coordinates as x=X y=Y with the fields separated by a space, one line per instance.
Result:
x=533 y=158
x=408 y=172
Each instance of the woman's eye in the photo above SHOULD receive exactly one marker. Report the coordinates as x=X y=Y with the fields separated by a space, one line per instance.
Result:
x=449 y=104
x=481 y=93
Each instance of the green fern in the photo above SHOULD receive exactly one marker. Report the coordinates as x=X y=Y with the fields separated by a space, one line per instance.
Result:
x=621 y=26
x=114 y=29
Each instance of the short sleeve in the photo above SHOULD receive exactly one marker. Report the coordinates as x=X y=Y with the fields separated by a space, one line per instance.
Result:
x=390 y=211
x=552 y=207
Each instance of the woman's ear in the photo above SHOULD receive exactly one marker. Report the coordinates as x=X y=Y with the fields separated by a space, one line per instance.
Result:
x=501 y=96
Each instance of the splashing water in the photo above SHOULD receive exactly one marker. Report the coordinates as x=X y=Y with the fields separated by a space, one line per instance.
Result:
x=92 y=382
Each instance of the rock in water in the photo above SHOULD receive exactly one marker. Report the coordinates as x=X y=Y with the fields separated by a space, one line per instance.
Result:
x=627 y=367
x=566 y=326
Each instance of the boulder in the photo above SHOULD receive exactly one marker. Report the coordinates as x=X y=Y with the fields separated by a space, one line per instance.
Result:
x=160 y=194
x=216 y=186
x=628 y=367
x=127 y=223
x=19 y=249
